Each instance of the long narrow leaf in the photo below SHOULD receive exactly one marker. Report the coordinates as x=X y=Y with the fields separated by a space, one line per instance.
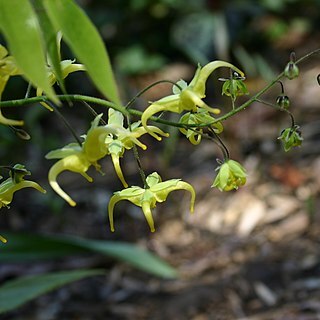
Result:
x=20 y=26
x=50 y=38
x=86 y=43
x=16 y=292
x=23 y=247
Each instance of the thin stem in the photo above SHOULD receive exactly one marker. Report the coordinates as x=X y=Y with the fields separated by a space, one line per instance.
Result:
x=94 y=113
x=282 y=88
x=64 y=120
x=126 y=111
x=137 y=158
x=280 y=109
x=128 y=105
x=223 y=147
x=28 y=90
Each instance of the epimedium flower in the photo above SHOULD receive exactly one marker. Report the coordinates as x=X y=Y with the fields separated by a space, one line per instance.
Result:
x=147 y=198
x=186 y=97
x=234 y=86
x=14 y=183
x=231 y=175
x=8 y=68
x=71 y=158
x=291 y=137
x=67 y=67
x=200 y=117
x=100 y=140
x=114 y=139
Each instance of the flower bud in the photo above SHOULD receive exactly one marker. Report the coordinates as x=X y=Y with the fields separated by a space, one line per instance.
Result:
x=291 y=70
x=283 y=101
x=232 y=175
x=291 y=137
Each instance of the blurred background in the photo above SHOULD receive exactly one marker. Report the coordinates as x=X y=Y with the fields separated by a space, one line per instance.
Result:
x=251 y=254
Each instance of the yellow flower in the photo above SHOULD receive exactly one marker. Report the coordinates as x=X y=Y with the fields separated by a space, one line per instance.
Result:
x=232 y=175
x=67 y=67
x=113 y=139
x=8 y=68
x=15 y=183
x=72 y=158
x=146 y=198
x=200 y=117
x=189 y=97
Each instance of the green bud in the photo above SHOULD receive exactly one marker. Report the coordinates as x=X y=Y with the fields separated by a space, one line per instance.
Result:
x=234 y=88
x=291 y=70
x=231 y=175
x=291 y=137
x=283 y=101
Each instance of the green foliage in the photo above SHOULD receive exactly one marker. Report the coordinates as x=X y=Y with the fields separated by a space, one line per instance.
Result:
x=15 y=293
x=20 y=26
x=24 y=33
x=32 y=247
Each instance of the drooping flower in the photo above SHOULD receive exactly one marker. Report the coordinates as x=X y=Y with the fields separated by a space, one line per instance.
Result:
x=113 y=139
x=147 y=198
x=291 y=137
x=231 y=175
x=14 y=183
x=67 y=67
x=8 y=68
x=186 y=97
x=200 y=117
x=72 y=158
x=234 y=86
x=100 y=140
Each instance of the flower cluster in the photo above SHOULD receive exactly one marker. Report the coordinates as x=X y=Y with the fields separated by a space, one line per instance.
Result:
x=101 y=140
x=186 y=97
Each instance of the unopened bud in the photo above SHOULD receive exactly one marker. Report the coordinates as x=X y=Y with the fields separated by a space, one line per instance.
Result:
x=291 y=70
x=283 y=101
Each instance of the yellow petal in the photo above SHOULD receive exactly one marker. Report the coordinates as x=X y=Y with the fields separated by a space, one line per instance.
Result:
x=113 y=201
x=75 y=163
x=116 y=164
x=188 y=187
x=2 y=239
x=148 y=113
x=200 y=85
x=10 y=122
x=148 y=215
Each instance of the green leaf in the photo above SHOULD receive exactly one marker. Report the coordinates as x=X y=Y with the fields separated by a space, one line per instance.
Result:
x=52 y=42
x=20 y=26
x=86 y=43
x=16 y=292
x=23 y=247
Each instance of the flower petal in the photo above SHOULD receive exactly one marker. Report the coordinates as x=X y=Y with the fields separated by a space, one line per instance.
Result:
x=116 y=164
x=148 y=215
x=75 y=163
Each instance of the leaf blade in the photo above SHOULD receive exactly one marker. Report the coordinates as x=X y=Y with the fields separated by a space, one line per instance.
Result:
x=27 y=247
x=17 y=292
x=21 y=29
x=86 y=43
